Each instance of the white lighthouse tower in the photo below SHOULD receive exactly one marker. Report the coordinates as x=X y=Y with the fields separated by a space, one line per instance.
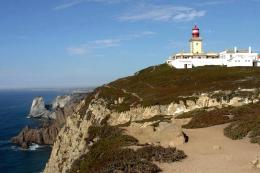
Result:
x=196 y=41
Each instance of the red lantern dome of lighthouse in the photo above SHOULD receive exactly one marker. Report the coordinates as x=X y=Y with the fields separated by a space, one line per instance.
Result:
x=195 y=32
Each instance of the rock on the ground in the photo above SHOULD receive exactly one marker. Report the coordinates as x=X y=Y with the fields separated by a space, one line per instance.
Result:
x=166 y=134
x=216 y=147
x=256 y=162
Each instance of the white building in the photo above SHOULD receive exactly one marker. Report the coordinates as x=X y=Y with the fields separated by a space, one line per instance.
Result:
x=196 y=57
x=239 y=58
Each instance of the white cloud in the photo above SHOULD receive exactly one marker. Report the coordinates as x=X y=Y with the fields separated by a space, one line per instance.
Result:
x=92 y=45
x=77 y=50
x=68 y=4
x=214 y=2
x=71 y=3
x=162 y=13
x=105 y=43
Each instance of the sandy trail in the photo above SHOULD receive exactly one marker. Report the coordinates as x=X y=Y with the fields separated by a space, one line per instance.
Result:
x=204 y=156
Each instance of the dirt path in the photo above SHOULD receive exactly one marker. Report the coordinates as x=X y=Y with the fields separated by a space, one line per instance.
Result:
x=209 y=151
x=133 y=94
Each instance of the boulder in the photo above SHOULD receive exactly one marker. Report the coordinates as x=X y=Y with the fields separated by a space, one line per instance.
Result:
x=166 y=134
x=169 y=135
x=256 y=162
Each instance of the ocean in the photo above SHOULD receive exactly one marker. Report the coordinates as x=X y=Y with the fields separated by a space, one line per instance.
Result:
x=14 y=108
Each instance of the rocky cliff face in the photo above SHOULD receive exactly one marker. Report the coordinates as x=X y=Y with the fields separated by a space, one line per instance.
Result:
x=71 y=144
x=47 y=132
x=61 y=101
x=38 y=109
x=147 y=103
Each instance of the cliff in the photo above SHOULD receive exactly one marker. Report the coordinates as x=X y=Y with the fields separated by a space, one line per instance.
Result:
x=62 y=107
x=146 y=106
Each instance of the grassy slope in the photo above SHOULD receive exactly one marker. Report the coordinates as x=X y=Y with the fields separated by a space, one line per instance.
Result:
x=162 y=84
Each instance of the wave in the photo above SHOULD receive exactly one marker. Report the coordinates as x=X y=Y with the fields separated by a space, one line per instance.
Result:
x=34 y=147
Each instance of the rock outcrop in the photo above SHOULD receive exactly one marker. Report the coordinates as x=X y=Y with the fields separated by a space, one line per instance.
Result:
x=61 y=101
x=256 y=163
x=43 y=135
x=38 y=109
x=47 y=132
x=166 y=134
x=71 y=144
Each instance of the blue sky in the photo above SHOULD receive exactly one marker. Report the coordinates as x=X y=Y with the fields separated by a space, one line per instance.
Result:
x=78 y=43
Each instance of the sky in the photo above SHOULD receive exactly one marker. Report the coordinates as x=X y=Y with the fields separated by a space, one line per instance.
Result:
x=85 y=43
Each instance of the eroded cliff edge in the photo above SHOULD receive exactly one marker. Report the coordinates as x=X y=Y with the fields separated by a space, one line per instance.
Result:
x=53 y=118
x=137 y=101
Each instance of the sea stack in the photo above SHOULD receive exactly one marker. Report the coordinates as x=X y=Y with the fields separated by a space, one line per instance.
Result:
x=38 y=109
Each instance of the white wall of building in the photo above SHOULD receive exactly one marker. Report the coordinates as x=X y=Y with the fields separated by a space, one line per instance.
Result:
x=226 y=58
x=240 y=62
x=237 y=59
x=194 y=62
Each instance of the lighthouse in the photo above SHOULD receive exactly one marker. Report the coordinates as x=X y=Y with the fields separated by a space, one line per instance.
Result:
x=196 y=41
x=198 y=58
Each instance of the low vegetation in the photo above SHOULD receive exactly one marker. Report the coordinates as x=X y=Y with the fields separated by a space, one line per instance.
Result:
x=247 y=125
x=109 y=152
x=160 y=85
x=203 y=118
x=244 y=121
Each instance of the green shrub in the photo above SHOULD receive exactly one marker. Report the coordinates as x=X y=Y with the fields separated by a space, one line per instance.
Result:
x=247 y=125
x=110 y=154
x=203 y=119
x=236 y=131
x=160 y=154
x=255 y=135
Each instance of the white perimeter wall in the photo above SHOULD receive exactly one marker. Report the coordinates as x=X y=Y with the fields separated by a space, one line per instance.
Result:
x=195 y=62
